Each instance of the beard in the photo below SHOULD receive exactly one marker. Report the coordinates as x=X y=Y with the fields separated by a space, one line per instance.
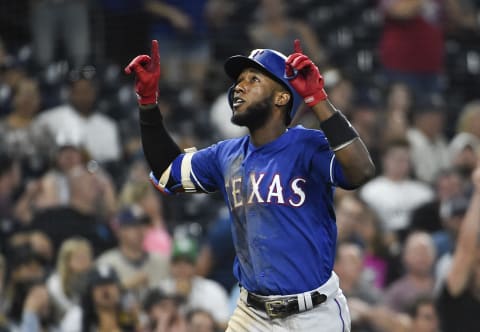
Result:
x=256 y=115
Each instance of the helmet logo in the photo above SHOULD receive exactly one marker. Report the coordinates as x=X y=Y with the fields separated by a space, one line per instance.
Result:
x=255 y=52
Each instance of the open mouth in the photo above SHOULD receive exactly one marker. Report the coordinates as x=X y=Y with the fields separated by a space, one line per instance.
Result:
x=237 y=101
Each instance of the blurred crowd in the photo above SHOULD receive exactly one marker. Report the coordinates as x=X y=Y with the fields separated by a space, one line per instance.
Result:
x=86 y=244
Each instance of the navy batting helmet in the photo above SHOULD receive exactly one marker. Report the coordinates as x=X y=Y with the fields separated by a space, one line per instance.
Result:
x=268 y=61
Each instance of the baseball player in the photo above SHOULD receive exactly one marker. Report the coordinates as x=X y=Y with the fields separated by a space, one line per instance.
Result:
x=278 y=183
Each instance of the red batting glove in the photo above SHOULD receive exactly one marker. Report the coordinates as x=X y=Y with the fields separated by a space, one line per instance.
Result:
x=147 y=71
x=305 y=77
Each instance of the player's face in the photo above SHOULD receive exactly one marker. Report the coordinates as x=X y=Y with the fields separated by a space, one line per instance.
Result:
x=253 y=99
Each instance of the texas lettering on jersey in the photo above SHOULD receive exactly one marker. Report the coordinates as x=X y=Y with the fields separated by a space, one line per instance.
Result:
x=266 y=189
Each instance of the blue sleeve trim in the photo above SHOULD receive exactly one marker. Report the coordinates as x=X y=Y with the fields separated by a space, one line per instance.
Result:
x=154 y=181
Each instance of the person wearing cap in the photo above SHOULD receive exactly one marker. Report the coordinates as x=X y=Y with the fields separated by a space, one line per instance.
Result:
x=197 y=291
x=136 y=268
x=278 y=183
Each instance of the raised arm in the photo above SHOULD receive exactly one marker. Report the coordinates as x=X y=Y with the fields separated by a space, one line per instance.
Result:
x=467 y=242
x=349 y=149
x=158 y=146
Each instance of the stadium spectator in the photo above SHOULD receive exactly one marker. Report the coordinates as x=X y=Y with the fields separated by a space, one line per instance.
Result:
x=397 y=114
x=163 y=313
x=349 y=210
x=418 y=259
x=81 y=217
x=181 y=30
x=67 y=282
x=393 y=194
x=137 y=269
x=53 y=185
x=67 y=21
x=412 y=44
x=428 y=144
x=421 y=316
x=463 y=153
x=20 y=139
x=137 y=191
x=458 y=302
x=199 y=320
x=226 y=22
x=378 y=262
x=274 y=28
x=365 y=118
x=104 y=306
x=469 y=119
x=12 y=71
x=39 y=243
x=79 y=121
x=448 y=184
x=197 y=291
x=350 y=268
x=26 y=298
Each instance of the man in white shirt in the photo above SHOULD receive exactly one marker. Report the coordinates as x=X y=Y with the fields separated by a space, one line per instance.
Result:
x=136 y=268
x=429 y=148
x=77 y=121
x=394 y=195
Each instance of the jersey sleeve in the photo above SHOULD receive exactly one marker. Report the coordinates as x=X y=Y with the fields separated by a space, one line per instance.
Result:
x=327 y=167
x=192 y=172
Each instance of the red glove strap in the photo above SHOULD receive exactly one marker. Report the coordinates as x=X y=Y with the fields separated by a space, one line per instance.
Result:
x=316 y=98
x=146 y=100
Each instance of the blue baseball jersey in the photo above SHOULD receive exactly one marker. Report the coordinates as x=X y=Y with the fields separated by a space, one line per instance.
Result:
x=280 y=197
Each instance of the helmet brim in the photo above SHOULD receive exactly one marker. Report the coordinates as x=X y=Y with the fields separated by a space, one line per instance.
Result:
x=238 y=63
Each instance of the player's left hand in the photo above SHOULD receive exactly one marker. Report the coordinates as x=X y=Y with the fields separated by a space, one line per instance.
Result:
x=304 y=76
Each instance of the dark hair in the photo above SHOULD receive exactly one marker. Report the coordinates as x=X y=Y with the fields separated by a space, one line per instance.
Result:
x=189 y=315
x=85 y=73
x=24 y=254
x=396 y=143
x=425 y=299
x=89 y=311
x=155 y=296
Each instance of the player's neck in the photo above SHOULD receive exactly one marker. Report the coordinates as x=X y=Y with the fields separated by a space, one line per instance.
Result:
x=266 y=134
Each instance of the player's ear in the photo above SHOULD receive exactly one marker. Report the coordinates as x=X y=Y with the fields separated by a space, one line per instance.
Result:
x=282 y=98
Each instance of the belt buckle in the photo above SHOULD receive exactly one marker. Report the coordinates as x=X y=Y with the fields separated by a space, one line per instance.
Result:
x=272 y=305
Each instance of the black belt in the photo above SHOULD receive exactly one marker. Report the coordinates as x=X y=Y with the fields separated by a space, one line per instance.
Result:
x=283 y=306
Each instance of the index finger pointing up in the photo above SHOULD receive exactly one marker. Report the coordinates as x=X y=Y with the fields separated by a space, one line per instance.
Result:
x=297 y=47
x=155 y=55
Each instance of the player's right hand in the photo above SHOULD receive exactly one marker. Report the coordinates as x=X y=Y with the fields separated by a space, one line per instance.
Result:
x=147 y=74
